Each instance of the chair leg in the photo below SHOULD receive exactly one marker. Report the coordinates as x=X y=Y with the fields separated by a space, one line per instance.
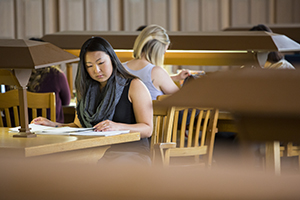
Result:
x=273 y=157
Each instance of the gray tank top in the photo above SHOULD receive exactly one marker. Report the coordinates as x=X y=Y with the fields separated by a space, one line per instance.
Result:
x=145 y=75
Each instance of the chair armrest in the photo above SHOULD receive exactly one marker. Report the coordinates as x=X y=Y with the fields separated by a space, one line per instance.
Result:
x=165 y=145
x=158 y=152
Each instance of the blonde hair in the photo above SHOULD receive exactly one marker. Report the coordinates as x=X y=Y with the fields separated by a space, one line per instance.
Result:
x=151 y=42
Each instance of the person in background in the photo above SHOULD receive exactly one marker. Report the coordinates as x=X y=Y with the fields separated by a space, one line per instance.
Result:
x=148 y=52
x=140 y=28
x=51 y=79
x=110 y=99
x=275 y=59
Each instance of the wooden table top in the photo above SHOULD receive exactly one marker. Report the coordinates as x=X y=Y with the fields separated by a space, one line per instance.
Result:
x=47 y=144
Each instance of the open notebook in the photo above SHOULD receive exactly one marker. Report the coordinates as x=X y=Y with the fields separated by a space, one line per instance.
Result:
x=46 y=130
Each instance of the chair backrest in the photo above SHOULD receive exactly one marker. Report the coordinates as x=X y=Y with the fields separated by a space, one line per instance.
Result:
x=159 y=125
x=193 y=130
x=187 y=132
x=9 y=102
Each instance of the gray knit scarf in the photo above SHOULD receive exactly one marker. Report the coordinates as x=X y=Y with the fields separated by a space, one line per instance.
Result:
x=100 y=105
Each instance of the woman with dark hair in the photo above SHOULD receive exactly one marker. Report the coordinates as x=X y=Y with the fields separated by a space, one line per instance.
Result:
x=110 y=99
x=275 y=59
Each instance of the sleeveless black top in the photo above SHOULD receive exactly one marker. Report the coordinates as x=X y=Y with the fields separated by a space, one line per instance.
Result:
x=124 y=109
x=124 y=114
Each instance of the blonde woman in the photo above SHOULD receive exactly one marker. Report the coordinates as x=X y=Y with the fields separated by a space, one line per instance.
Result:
x=148 y=52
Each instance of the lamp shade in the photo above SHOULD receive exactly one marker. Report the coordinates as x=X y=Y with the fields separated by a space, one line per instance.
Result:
x=28 y=54
x=290 y=30
x=214 y=41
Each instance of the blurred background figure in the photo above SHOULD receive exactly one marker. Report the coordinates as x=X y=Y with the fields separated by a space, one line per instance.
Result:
x=275 y=60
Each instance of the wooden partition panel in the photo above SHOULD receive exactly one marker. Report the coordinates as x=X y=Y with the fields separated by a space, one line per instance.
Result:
x=157 y=12
x=71 y=15
x=134 y=14
x=7 y=19
x=23 y=19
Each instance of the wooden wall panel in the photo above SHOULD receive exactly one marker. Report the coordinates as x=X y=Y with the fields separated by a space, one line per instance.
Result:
x=7 y=19
x=286 y=11
x=157 y=12
x=225 y=14
x=71 y=15
x=173 y=15
x=296 y=11
x=97 y=15
x=240 y=12
x=50 y=17
x=259 y=12
x=20 y=19
x=210 y=15
x=135 y=13
x=190 y=15
x=116 y=15
x=34 y=18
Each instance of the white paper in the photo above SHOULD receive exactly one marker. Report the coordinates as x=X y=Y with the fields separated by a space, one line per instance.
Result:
x=33 y=128
x=47 y=130
x=65 y=129
x=94 y=133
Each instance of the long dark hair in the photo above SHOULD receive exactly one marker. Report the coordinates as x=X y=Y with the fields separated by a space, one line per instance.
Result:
x=83 y=79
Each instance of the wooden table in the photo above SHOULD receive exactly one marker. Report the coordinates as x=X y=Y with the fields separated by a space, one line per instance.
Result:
x=87 y=149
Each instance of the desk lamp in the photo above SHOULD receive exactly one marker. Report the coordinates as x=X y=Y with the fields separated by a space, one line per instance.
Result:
x=18 y=58
x=239 y=48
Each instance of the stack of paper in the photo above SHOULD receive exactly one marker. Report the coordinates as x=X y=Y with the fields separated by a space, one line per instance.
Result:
x=46 y=130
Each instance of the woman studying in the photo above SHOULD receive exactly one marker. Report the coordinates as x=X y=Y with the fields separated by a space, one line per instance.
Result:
x=110 y=99
x=148 y=52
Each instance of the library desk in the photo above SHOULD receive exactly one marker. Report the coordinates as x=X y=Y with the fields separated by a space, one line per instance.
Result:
x=59 y=148
x=263 y=103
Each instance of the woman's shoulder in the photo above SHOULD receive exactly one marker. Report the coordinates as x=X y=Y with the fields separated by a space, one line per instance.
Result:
x=137 y=84
x=135 y=81
x=57 y=71
x=138 y=89
x=158 y=71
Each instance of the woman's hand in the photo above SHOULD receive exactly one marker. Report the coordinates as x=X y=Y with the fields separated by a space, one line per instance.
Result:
x=106 y=125
x=182 y=75
x=44 y=121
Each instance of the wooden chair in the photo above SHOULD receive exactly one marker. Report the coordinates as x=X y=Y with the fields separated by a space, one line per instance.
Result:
x=159 y=127
x=196 y=141
x=275 y=151
x=35 y=101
